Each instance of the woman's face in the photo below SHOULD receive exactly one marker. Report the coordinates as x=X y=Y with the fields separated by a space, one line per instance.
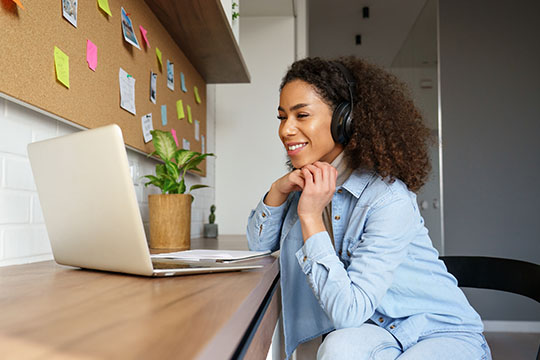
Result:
x=305 y=125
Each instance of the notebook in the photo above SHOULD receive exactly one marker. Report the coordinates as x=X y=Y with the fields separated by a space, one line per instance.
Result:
x=90 y=207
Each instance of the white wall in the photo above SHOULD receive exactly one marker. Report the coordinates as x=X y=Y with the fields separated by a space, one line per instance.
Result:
x=250 y=155
x=23 y=236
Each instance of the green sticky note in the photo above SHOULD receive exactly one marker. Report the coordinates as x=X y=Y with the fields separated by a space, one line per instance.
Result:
x=189 y=114
x=158 y=53
x=61 y=64
x=104 y=5
x=180 y=109
x=197 y=98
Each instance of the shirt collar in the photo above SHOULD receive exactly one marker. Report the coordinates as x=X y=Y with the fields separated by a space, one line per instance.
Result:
x=357 y=182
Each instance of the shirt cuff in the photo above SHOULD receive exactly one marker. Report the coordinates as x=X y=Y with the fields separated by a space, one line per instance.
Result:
x=272 y=214
x=316 y=247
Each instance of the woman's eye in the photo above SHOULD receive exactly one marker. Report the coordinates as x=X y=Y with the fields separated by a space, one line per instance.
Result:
x=281 y=117
x=302 y=115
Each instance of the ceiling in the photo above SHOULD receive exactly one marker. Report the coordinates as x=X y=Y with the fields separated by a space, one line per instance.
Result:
x=398 y=33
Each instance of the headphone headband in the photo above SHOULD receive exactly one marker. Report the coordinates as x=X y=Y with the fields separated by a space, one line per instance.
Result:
x=348 y=78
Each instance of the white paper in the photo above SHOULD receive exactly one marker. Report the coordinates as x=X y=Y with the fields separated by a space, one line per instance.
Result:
x=147 y=126
x=127 y=91
x=185 y=144
x=197 y=130
x=216 y=255
x=202 y=145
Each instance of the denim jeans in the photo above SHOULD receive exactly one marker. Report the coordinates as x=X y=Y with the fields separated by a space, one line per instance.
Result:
x=371 y=342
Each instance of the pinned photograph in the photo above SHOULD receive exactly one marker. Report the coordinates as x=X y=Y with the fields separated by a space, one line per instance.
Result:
x=153 y=80
x=127 y=29
x=170 y=75
x=69 y=9
x=147 y=127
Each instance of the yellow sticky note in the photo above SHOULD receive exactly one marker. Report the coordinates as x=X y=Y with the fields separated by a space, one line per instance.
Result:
x=104 y=5
x=189 y=114
x=197 y=98
x=180 y=109
x=158 y=53
x=61 y=64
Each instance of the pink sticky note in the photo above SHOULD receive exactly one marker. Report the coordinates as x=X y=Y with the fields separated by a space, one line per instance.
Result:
x=91 y=55
x=173 y=132
x=143 y=32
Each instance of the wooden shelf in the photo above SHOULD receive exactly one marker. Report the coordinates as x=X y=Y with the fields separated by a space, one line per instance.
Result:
x=203 y=33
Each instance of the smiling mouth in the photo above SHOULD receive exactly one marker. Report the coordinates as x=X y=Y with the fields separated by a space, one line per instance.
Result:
x=297 y=146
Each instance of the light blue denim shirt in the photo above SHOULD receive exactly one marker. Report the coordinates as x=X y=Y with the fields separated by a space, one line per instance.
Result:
x=383 y=267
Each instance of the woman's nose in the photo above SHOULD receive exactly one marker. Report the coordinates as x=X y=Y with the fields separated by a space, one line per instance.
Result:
x=288 y=127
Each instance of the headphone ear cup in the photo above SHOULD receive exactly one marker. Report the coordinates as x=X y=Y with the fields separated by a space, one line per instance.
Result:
x=341 y=123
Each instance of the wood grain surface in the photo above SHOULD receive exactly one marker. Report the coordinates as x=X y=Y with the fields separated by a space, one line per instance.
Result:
x=50 y=311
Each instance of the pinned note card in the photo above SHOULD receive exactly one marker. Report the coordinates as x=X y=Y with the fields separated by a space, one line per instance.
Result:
x=170 y=75
x=183 y=81
x=127 y=91
x=189 y=114
x=185 y=144
x=91 y=55
x=197 y=98
x=180 y=109
x=104 y=5
x=127 y=29
x=153 y=81
x=144 y=32
x=203 y=150
x=163 y=115
x=173 y=132
x=197 y=130
x=147 y=126
x=61 y=64
x=158 y=54
x=69 y=11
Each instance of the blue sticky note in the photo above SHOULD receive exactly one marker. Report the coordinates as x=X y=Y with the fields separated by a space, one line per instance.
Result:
x=163 y=115
x=183 y=80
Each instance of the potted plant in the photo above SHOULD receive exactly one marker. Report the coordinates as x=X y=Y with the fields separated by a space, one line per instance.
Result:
x=170 y=211
x=211 y=229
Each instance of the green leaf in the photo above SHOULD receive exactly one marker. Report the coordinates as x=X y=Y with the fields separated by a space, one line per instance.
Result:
x=183 y=156
x=194 y=187
x=196 y=161
x=168 y=185
x=182 y=187
x=172 y=170
x=164 y=144
x=160 y=170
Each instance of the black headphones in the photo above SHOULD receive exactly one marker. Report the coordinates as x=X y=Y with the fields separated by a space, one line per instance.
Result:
x=342 y=116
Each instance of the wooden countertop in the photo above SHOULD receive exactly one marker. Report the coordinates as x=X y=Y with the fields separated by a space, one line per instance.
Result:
x=53 y=311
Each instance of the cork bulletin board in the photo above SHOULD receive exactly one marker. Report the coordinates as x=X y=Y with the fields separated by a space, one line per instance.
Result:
x=27 y=44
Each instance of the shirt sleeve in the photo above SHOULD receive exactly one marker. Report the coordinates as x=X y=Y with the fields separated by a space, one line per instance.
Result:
x=264 y=226
x=350 y=295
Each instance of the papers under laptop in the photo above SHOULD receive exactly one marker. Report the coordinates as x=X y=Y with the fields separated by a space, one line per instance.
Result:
x=211 y=255
x=91 y=211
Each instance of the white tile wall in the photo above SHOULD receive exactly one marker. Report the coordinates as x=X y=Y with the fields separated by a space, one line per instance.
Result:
x=23 y=236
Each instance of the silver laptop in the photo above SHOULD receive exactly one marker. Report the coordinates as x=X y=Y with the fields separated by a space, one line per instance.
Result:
x=90 y=207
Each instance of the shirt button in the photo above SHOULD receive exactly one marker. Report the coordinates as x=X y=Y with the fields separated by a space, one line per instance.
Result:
x=348 y=253
x=392 y=326
x=381 y=319
x=340 y=191
x=337 y=217
x=263 y=215
x=305 y=258
x=339 y=252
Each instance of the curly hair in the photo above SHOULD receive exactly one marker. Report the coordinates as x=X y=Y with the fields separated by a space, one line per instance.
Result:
x=389 y=135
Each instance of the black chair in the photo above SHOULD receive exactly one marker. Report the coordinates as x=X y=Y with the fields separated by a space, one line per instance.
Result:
x=515 y=276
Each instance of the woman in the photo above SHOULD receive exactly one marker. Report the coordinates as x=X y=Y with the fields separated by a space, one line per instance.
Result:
x=356 y=259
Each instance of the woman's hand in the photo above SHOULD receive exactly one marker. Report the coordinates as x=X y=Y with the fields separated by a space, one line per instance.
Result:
x=293 y=181
x=319 y=187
